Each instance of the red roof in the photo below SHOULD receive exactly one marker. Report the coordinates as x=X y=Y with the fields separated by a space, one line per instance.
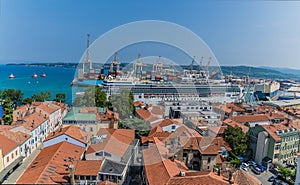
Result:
x=7 y=144
x=88 y=168
x=72 y=131
x=250 y=118
x=232 y=123
x=51 y=165
x=116 y=141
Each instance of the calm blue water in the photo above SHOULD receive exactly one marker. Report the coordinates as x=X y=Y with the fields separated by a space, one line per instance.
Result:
x=57 y=80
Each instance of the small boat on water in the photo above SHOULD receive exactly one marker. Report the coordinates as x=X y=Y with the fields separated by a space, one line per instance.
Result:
x=34 y=75
x=11 y=76
x=43 y=75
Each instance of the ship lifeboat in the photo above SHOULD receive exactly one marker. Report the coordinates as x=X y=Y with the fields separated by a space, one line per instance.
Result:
x=11 y=76
x=43 y=75
x=34 y=75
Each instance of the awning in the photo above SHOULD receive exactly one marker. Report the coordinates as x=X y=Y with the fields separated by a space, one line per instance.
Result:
x=10 y=167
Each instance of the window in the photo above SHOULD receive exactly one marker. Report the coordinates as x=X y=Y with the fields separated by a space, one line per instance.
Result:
x=208 y=167
x=208 y=160
x=7 y=159
x=81 y=177
x=173 y=126
x=12 y=155
x=93 y=177
x=16 y=152
x=276 y=156
x=277 y=147
x=91 y=129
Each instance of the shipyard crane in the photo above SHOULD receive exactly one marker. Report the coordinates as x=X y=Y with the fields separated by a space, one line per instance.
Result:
x=207 y=65
x=157 y=67
x=200 y=65
x=115 y=64
x=138 y=66
x=192 y=64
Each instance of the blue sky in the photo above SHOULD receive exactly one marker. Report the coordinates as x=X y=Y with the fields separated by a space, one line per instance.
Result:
x=239 y=33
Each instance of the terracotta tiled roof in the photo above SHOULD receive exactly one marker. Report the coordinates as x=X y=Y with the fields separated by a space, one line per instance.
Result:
x=272 y=128
x=88 y=168
x=116 y=141
x=138 y=104
x=157 y=110
x=250 y=118
x=232 y=123
x=167 y=122
x=47 y=108
x=7 y=144
x=106 y=183
x=33 y=121
x=159 y=170
x=143 y=113
x=217 y=129
x=243 y=178
x=199 y=178
x=51 y=165
x=72 y=131
x=18 y=137
x=212 y=146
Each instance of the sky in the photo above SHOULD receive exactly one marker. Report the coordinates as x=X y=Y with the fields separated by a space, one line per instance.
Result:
x=255 y=33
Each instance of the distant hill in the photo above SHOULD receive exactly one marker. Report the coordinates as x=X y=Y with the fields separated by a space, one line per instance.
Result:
x=284 y=70
x=259 y=72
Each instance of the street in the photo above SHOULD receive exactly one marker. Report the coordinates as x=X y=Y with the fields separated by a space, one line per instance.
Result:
x=263 y=177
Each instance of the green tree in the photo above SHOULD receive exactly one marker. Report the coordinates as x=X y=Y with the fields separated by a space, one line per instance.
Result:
x=122 y=103
x=27 y=101
x=15 y=96
x=60 y=97
x=100 y=97
x=247 y=124
x=7 y=111
x=284 y=173
x=141 y=127
x=43 y=96
x=237 y=139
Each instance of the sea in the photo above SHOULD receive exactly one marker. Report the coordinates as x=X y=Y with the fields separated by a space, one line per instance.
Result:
x=58 y=80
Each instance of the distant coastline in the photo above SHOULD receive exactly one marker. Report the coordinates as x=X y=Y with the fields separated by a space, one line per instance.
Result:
x=57 y=64
x=255 y=72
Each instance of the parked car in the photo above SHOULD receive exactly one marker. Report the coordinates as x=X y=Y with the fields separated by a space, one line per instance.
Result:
x=262 y=169
x=245 y=164
x=277 y=182
x=271 y=179
x=252 y=163
x=255 y=170
x=245 y=169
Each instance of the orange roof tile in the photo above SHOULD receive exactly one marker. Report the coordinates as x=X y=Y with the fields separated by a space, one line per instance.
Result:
x=47 y=108
x=217 y=129
x=250 y=118
x=199 y=178
x=154 y=163
x=167 y=122
x=7 y=144
x=106 y=183
x=243 y=178
x=72 y=131
x=232 y=123
x=51 y=164
x=138 y=104
x=88 y=168
x=18 y=137
x=212 y=146
x=116 y=141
